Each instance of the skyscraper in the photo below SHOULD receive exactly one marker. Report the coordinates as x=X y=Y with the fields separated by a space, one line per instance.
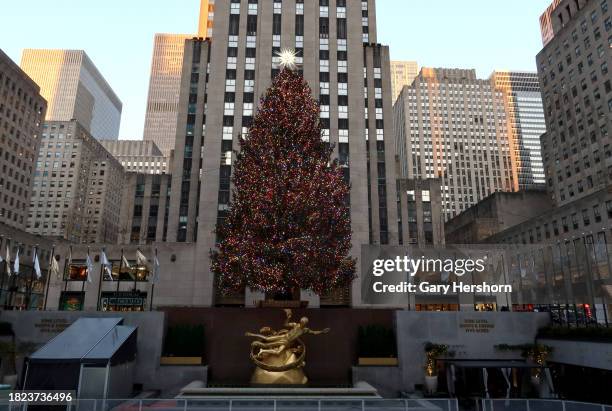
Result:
x=546 y=25
x=573 y=68
x=77 y=187
x=526 y=124
x=452 y=126
x=577 y=91
x=74 y=89
x=222 y=80
x=164 y=87
x=165 y=80
x=207 y=15
x=22 y=111
x=403 y=74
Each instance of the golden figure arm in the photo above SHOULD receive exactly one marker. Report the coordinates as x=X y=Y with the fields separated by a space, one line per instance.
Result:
x=314 y=332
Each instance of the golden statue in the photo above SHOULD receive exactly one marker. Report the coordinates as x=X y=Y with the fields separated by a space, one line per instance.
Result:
x=279 y=355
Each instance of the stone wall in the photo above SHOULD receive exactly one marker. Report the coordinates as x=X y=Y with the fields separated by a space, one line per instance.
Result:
x=581 y=353
x=41 y=326
x=470 y=335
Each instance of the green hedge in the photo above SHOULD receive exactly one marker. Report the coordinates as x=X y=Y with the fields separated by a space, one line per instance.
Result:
x=6 y=328
x=184 y=341
x=595 y=334
x=376 y=341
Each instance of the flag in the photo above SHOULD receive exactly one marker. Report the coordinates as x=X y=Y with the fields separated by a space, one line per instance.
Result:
x=155 y=277
x=106 y=265
x=37 y=266
x=16 y=263
x=89 y=265
x=141 y=259
x=8 y=261
x=54 y=268
x=104 y=259
x=126 y=263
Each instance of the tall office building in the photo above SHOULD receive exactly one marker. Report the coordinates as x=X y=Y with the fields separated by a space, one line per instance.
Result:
x=207 y=16
x=577 y=91
x=403 y=74
x=223 y=79
x=74 y=89
x=546 y=25
x=165 y=80
x=22 y=111
x=137 y=156
x=77 y=187
x=452 y=126
x=526 y=124
x=164 y=87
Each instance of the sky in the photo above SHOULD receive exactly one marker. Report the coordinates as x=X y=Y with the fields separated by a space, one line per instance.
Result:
x=118 y=36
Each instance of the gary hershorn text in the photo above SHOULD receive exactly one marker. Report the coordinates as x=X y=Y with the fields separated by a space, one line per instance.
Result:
x=443 y=289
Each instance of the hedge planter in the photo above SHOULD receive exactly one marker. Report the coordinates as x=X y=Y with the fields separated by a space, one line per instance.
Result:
x=180 y=361
x=378 y=361
x=431 y=384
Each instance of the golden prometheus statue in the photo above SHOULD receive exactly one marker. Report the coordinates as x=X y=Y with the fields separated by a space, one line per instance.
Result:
x=279 y=355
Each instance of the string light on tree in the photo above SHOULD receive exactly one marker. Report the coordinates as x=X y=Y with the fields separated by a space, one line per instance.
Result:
x=289 y=225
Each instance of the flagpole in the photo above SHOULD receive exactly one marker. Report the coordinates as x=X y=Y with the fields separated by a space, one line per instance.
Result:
x=69 y=263
x=119 y=279
x=155 y=280
x=83 y=284
x=135 y=273
x=99 y=302
x=48 y=278
x=14 y=281
x=6 y=265
x=30 y=285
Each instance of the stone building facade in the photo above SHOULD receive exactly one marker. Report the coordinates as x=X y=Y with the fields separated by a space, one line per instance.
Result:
x=138 y=156
x=223 y=78
x=22 y=111
x=77 y=187
x=452 y=126
x=494 y=214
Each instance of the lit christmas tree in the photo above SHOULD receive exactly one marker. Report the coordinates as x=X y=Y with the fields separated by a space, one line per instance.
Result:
x=289 y=226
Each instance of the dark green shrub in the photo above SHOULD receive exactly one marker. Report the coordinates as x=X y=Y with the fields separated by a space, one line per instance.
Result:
x=184 y=341
x=376 y=341
x=6 y=328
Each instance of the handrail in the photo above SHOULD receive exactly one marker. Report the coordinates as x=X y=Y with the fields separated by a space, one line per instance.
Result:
x=531 y=403
x=267 y=404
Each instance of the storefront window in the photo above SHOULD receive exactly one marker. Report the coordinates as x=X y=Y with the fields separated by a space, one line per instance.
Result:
x=123 y=272
x=71 y=301
x=123 y=301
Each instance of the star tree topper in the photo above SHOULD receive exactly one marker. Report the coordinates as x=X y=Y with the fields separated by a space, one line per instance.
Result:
x=288 y=58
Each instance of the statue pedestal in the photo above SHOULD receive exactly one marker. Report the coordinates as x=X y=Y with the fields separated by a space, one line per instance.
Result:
x=359 y=391
x=294 y=376
x=290 y=377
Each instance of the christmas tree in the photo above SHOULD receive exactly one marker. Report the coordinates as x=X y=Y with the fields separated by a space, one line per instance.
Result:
x=288 y=226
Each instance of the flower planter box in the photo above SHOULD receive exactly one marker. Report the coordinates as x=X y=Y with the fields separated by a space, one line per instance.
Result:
x=282 y=304
x=378 y=361
x=180 y=361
